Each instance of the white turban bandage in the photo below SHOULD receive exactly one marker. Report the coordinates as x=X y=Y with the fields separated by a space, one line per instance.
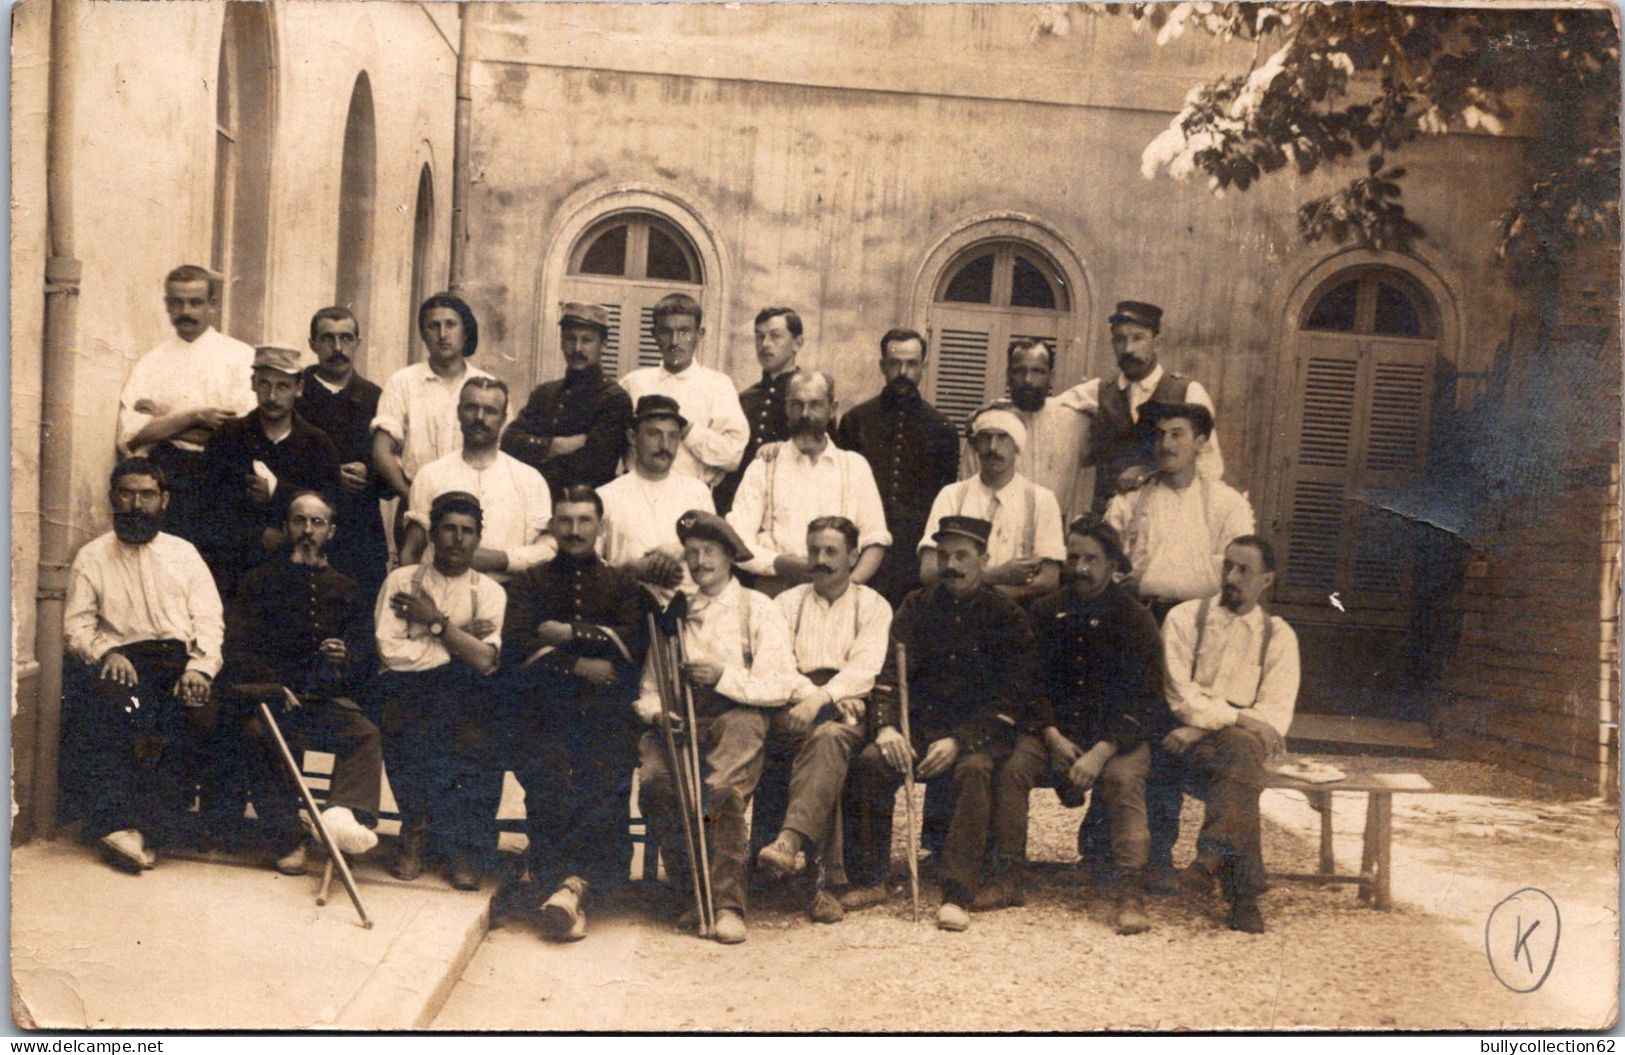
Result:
x=997 y=419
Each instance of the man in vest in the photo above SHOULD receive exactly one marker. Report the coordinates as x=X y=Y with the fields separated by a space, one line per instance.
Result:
x=1025 y=549
x=839 y=629
x=779 y=338
x=1174 y=528
x=1057 y=433
x=740 y=668
x=1232 y=681
x=1121 y=439
x=790 y=484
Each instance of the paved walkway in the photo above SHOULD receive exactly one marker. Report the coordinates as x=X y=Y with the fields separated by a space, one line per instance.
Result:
x=195 y=944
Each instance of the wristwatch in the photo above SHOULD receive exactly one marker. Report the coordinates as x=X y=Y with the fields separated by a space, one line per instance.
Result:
x=438 y=627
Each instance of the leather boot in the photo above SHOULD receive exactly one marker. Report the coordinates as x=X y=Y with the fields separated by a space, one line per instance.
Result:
x=1131 y=917
x=409 y=861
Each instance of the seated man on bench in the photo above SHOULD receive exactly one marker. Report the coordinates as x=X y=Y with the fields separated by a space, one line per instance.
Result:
x=298 y=626
x=1232 y=681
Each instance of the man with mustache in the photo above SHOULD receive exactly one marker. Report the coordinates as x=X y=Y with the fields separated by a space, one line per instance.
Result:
x=1122 y=441
x=297 y=625
x=255 y=464
x=512 y=495
x=741 y=669
x=573 y=430
x=341 y=403
x=1025 y=549
x=574 y=636
x=417 y=412
x=779 y=338
x=1057 y=434
x=143 y=629
x=641 y=508
x=1232 y=682
x=1174 y=528
x=970 y=651
x=790 y=484
x=439 y=634
x=1098 y=710
x=839 y=630
x=182 y=391
x=912 y=450
x=714 y=438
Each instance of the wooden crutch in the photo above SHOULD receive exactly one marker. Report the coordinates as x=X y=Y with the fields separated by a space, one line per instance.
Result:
x=908 y=782
x=677 y=762
x=710 y=905
x=334 y=856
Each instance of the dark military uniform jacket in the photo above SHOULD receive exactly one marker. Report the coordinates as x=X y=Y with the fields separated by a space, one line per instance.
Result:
x=606 y=609
x=359 y=548
x=1099 y=669
x=279 y=617
x=585 y=403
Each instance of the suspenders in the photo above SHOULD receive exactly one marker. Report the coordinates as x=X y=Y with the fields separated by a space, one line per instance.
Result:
x=473 y=584
x=1029 y=537
x=768 y=508
x=1263 y=646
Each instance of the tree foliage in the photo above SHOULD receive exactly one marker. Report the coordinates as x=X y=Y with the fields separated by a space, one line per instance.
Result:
x=1340 y=82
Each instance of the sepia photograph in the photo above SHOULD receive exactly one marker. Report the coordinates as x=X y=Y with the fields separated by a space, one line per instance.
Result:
x=758 y=517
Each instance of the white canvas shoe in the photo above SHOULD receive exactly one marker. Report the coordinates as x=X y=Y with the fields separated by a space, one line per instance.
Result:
x=349 y=834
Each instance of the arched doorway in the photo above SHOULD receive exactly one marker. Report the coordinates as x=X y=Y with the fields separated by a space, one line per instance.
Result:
x=1367 y=344
x=627 y=261
x=423 y=278
x=988 y=294
x=358 y=176
x=239 y=235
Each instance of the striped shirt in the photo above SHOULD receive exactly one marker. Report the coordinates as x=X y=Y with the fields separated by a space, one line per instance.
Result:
x=847 y=635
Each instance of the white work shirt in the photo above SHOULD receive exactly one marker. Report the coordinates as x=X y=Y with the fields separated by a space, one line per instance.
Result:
x=717 y=431
x=715 y=631
x=408 y=646
x=781 y=495
x=1008 y=510
x=513 y=498
x=641 y=514
x=848 y=635
x=1176 y=538
x=119 y=594
x=1229 y=680
x=418 y=408
x=1057 y=443
x=1085 y=397
x=212 y=371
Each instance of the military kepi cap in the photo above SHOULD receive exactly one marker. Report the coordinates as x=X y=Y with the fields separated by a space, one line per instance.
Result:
x=1139 y=313
x=696 y=523
x=974 y=528
x=658 y=406
x=275 y=357
x=575 y=313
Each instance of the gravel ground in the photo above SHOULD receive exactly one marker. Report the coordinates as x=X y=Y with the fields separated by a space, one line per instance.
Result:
x=1054 y=964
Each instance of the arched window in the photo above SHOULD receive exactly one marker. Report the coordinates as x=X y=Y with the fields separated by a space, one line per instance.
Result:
x=358 y=176
x=239 y=235
x=987 y=295
x=1367 y=346
x=424 y=281
x=627 y=261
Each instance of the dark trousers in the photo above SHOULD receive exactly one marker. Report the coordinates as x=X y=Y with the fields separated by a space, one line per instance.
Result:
x=970 y=825
x=135 y=752
x=318 y=723
x=1119 y=792
x=437 y=745
x=187 y=512
x=1166 y=780
x=573 y=753
x=731 y=754
x=1232 y=760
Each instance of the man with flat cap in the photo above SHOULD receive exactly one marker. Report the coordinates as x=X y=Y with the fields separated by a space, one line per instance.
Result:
x=1025 y=548
x=741 y=668
x=1098 y=708
x=573 y=430
x=970 y=651
x=641 y=508
x=1121 y=439
x=255 y=465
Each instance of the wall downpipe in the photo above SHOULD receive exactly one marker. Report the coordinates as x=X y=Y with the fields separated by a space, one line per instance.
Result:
x=462 y=134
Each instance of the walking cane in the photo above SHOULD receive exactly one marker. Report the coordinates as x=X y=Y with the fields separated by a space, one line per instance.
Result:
x=678 y=764
x=908 y=782
x=710 y=909
x=333 y=853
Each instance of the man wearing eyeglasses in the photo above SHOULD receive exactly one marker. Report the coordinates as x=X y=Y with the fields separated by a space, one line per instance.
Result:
x=342 y=403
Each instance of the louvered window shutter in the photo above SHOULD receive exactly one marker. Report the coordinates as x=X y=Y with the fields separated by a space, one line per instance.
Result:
x=648 y=351
x=611 y=358
x=1328 y=390
x=960 y=354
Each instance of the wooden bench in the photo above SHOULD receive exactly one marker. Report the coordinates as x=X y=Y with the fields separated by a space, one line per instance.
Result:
x=1376 y=857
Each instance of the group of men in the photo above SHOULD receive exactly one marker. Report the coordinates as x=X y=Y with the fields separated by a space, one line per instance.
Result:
x=439 y=590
